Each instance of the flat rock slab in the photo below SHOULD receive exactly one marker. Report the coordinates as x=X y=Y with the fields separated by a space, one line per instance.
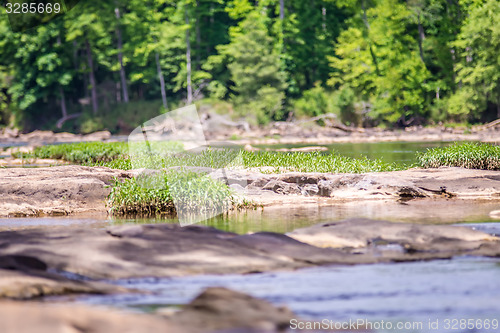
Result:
x=170 y=250
x=23 y=285
x=365 y=233
x=444 y=183
x=55 y=191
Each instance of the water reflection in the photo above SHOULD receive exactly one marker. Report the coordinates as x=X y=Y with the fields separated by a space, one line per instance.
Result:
x=288 y=218
x=284 y=219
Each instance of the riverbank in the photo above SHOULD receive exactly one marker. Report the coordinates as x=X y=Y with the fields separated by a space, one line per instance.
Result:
x=282 y=133
x=289 y=133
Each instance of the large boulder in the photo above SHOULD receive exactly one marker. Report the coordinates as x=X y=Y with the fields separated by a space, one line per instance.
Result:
x=225 y=310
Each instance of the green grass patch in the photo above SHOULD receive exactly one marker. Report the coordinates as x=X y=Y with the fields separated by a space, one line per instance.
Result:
x=193 y=193
x=315 y=162
x=93 y=153
x=161 y=155
x=466 y=155
x=269 y=162
x=79 y=153
x=168 y=193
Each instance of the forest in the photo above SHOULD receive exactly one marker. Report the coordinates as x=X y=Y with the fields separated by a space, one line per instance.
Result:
x=388 y=63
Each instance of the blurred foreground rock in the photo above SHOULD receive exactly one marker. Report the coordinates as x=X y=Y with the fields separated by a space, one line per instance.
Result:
x=56 y=261
x=214 y=310
x=170 y=250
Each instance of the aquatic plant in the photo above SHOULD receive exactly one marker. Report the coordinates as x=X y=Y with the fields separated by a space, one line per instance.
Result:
x=79 y=153
x=275 y=162
x=466 y=155
x=168 y=192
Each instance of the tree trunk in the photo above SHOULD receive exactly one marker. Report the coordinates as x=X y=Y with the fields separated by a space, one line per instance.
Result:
x=323 y=14
x=421 y=37
x=188 y=60
x=198 y=36
x=367 y=25
x=162 y=81
x=282 y=10
x=498 y=102
x=92 y=80
x=65 y=117
x=64 y=111
x=75 y=55
x=209 y=33
x=123 y=76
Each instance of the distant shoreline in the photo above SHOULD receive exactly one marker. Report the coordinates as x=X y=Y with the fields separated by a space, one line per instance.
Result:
x=280 y=133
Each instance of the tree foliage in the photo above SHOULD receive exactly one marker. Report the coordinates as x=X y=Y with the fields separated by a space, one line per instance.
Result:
x=373 y=61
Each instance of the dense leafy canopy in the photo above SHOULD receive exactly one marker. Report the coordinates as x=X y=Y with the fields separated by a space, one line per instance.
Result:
x=391 y=62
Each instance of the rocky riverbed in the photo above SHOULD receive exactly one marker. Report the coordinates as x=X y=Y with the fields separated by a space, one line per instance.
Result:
x=40 y=262
x=57 y=261
x=69 y=190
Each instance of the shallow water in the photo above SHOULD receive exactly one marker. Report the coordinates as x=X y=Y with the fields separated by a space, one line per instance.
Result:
x=399 y=152
x=409 y=293
x=462 y=288
x=286 y=219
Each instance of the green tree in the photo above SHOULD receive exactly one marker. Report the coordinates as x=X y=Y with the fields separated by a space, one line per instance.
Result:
x=478 y=70
x=258 y=84
x=380 y=61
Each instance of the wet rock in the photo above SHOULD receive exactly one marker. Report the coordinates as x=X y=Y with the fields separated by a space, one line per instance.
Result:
x=170 y=250
x=26 y=277
x=149 y=250
x=406 y=192
x=282 y=187
x=65 y=190
x=362 y=233
x=23 y=285
x=443 y=183
x=310 y=190
x=224 y=310
x=97 y=136
x=326 y=188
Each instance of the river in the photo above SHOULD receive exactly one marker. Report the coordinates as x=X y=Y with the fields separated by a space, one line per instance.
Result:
x=421 y=294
